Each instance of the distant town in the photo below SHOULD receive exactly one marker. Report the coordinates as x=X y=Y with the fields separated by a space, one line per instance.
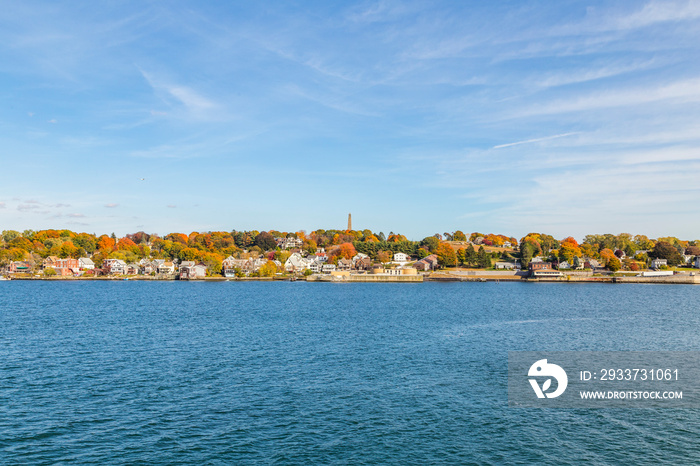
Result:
x=333 y=255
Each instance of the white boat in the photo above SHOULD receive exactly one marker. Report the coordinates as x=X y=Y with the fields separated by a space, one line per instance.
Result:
x=3 y=278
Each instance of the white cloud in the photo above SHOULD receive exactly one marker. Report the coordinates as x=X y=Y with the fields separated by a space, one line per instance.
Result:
x=111 y=206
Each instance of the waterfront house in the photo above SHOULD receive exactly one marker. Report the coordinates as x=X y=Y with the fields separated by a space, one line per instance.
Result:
x=20 y=267
x=114 y=266
x=146 y=267
x=427 y=263
x=401 y=257
x=85 y=263
x=67 y=263
x=229 y=266
x=49 y=262
x=192 y=271
x=505 y=265
x=545 y=273
x=697 y=262
x=185 y=264
x=344 y=264
x=538 y=265
x=133 y=269
x=658 y=263
x=316 y=265
x=361 y=263
x=328 y=268
x=297 y=263
x=591 y=264
x=166 y=267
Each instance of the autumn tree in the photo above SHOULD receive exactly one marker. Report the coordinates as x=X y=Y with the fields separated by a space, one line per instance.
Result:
x=459 y=236
x=384 y=256
x=569 y=249
x=106 y=243
x=614 y=264
x=607 y=255
x=269 y=269
x=447 y=257
x=347 y=251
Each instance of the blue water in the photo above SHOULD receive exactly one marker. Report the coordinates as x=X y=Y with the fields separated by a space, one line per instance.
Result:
x=319 y=373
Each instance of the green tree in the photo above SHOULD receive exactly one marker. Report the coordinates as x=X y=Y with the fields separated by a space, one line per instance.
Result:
x=9 y=235
x=430 y=243
x=483 y=260
x=664 y=250
x=265 y=241
x=470 y=256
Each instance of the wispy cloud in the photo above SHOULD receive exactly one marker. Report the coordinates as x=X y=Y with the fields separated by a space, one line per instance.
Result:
x=111 y=206
x=192 y=100
x=660 y=12
x=680 y=91
x=530 y=141
x=28 y=207
x=74 y=215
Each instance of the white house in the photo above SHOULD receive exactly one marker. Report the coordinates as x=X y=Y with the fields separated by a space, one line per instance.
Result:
x=328 y=268
x=316 y=266
x=401 y=257
x=296 y=263
x=86 y=263
x=658 y=263
x=166 y=267
x=192 y=272
x=697 y=262
x=114 y=266
x=505 y=265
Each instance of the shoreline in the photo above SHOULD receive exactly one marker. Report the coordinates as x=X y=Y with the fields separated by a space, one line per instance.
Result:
x=484 y=276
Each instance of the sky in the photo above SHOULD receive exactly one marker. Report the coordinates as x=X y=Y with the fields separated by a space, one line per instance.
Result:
x=418 y=117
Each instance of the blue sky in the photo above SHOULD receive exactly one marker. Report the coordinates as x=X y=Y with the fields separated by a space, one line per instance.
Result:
x=418 y=117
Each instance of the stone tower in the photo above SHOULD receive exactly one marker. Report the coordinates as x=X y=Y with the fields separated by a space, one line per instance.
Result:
x=349 y=221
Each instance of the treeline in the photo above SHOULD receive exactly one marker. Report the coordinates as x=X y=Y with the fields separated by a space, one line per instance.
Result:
x=456 y=248
x=623 y=251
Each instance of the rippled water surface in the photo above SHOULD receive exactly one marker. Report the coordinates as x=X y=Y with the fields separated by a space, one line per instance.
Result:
x=319 y=373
